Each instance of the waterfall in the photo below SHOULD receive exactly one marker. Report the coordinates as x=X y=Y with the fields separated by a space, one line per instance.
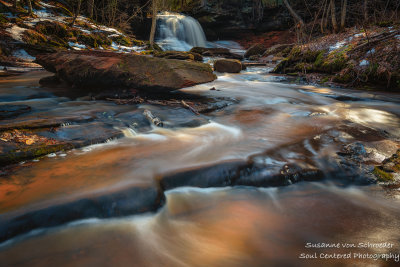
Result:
x=179 y=32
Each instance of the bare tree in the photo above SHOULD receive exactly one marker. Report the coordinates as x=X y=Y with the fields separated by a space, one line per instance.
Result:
x=90 y=6
x=77 y=11
x=333 y=16
x=294 y=14
x=343 y=15
x=29 y=2
x=153 y=23
x=365 y=10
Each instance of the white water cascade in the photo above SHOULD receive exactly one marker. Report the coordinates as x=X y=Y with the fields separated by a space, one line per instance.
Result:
x=179 y=32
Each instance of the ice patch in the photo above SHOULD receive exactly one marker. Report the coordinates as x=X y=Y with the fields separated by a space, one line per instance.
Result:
x=22 y=54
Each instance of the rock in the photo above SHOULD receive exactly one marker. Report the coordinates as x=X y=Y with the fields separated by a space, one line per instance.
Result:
x=242 y=173
x=254 y=50
x=228 y=65
x=10 y=111
x=135 y=200
x=179 y=55
x=97 y=71
x=215 y=52
x=280 y=50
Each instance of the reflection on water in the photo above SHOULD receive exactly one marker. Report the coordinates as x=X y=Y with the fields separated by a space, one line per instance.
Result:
x=224 y=227
x=279 y=123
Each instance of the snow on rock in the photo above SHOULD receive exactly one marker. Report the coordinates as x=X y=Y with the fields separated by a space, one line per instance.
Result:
x=22 y=54
x=337 y=45
x=16 y=32
x=76 y=46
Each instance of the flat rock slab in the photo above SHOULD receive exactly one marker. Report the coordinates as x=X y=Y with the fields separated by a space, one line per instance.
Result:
x=98 y=71
x=134 y=200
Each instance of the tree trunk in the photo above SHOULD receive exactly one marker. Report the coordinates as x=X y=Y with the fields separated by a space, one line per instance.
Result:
x=153 y=23
x=15 y=4
x=324 y=8
x=30 y=12
x=365 y=10
x=294 y=14
x=77 y=11
x=90 y=6
x=343 y=17
x=333 y=16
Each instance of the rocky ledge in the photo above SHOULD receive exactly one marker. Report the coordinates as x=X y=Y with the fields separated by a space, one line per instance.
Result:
x=97 y=71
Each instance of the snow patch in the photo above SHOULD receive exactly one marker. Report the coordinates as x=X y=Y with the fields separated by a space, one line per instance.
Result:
x=16 y=32
x=364 y=63
x=76 y=46
x=337 y=46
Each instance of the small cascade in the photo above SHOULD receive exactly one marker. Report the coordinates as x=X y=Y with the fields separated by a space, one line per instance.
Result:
x=179 y=32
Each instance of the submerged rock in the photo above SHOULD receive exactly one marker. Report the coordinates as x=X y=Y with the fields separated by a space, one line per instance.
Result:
x=97 y=71
x=10 y=111
x=228 y=65
x=138 y=199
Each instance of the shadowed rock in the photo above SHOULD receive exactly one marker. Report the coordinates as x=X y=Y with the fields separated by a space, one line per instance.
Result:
x=134 y=200
x=97 y=71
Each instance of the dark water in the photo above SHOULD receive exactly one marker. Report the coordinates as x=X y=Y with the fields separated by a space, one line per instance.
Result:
x=241 y=226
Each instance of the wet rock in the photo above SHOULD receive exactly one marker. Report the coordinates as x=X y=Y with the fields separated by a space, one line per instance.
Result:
x=10 y=111
x=260 y=176
x=35 y=121
x=239 y=173
x=215 y=52
x=173 y=117
x=97 y=71
x=228 y=65
x=179 y=55
x=389 y=170
x=134 y=200
x=255 y=50
x=217 y=175
x=85 y=134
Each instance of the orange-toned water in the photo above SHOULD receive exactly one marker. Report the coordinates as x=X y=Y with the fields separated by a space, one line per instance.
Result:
x=212 y=227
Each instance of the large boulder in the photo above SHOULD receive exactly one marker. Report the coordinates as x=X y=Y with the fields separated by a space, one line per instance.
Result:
x=255 y=50
x=228 y=65
x=97 y=71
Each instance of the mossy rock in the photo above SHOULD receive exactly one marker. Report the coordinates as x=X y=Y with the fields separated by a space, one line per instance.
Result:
x=122 y=40
x=52 y=28
x=32 y=37
x=303 y=67
x=389 y=169
x=94 y=40
x=382 y=175
x=3 y=19
x=332 y=62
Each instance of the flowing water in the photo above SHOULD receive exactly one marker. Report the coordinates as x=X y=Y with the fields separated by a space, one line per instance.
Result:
x=179 y=32
x=269 y=121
